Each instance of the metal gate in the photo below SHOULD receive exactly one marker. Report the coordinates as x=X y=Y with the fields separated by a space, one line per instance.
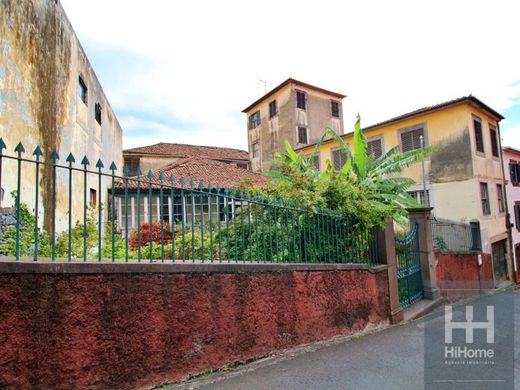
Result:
x=409 y=276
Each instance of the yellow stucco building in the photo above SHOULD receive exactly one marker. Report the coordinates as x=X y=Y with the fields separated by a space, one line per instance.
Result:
x=464 y=176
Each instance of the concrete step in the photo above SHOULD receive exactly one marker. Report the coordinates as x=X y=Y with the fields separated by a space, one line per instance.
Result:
x=422 y=308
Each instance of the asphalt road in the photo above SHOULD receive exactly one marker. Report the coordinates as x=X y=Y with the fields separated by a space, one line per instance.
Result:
x=393 y=358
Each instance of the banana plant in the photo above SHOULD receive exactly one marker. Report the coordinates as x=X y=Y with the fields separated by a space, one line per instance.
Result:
x=367 y=188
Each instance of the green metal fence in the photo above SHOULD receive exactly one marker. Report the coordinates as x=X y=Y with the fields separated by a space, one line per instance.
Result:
x=153 y=217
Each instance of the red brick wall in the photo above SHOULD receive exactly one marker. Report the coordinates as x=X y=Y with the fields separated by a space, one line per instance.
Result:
x=133 y=330
x=459 y=275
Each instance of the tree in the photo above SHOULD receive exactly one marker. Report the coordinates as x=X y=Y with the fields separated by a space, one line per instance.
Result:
x=366 y=188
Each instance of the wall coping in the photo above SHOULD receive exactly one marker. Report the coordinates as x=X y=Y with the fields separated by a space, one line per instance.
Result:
x=447 y=252
x=9 y=265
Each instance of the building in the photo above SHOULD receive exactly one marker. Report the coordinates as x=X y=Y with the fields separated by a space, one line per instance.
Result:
x=293 y=111
x=511 y=158
x=51 y=97
x=167 y=203
x=154 y=157
x=464 y=176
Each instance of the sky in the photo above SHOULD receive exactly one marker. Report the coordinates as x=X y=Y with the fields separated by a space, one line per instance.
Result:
x=182 y=71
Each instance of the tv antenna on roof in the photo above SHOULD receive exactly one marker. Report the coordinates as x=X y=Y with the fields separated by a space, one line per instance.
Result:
x=265 y=85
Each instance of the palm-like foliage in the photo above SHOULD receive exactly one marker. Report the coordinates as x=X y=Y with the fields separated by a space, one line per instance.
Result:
x=366 y=188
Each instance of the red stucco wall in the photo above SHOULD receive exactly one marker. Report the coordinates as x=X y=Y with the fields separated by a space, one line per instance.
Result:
x=73 y=331
x=460 y=276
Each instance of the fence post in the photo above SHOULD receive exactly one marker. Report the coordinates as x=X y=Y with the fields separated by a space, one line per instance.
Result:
x=386 y=244
x=422 y=216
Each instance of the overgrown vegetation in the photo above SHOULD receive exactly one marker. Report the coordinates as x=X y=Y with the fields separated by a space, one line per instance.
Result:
x=365 y=188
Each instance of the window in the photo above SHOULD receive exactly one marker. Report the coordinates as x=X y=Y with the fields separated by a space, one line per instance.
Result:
x=97 y=113
x=273 y=110
x=256 y=150
x=479 y=141
x=334 y=109
x=302 y=135
x=301 y=101
x=82 y=90
x=517 y=216
x=419 y=197
x=339 y=158
x=514 y=172
x=132 y=163
x=375 y=147
x=494 y=140
x=484 y=198
x=93 y=197
x=254 y=120
x=411 y=138
x=243 y=165
x=314 y=160
x=500 y=198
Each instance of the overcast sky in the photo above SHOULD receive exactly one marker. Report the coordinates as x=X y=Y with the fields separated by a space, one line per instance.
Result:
x=182 y=71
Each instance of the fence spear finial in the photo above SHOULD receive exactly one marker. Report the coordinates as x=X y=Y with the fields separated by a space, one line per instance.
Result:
x=99 y=164
x=70 y=158
x=126 y=170
x=37 y=151
x=113 y=167
x=19 y=148
x=55 y=156
x=2 y=145
x=85 y=161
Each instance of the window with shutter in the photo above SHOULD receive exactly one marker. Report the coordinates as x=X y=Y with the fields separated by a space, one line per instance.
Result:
x=334 y=108
x=339 y=158
x=273 y=110
x=411 y=139
x=301 y=100
x=314 y=160
x=375 y=148
x=254 y=120
x=256 y=150
x=500 y=198
x=302 y=135
x=514 y=172
x=494 y=141
x=479 y=141
x=484 y=197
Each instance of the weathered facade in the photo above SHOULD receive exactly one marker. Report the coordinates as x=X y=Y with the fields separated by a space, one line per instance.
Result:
x=293 y=111
x=464 y=177
x=50 y=96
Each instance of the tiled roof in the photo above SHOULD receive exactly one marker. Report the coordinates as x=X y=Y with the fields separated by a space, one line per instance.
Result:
x=184 y=150
x=209 y=171
x=469 y=99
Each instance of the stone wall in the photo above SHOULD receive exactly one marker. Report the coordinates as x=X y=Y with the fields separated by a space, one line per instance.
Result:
x=459 y=274
x=127 y=326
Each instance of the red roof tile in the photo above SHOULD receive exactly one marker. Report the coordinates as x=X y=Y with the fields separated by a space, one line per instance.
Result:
x=209 y=171
x=184 y=150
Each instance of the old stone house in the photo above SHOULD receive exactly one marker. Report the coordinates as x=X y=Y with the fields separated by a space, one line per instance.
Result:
x=50 y=96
